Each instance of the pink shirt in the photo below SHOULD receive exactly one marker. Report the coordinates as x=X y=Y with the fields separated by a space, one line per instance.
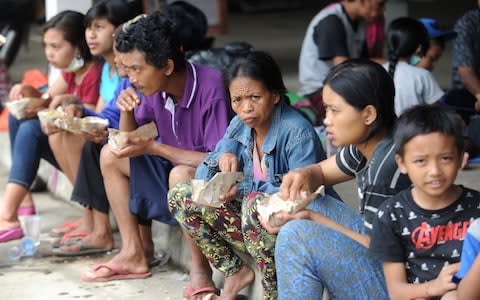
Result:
x=260 y=171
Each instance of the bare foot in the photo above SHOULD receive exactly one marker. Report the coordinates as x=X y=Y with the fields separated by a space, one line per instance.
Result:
x=9 y=224
x=67 y=226
x=93 y=240
x=136 y=264
x=236 y=282
x=79 y=225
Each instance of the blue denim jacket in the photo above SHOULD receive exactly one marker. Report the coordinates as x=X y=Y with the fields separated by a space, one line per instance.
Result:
x=291 y=143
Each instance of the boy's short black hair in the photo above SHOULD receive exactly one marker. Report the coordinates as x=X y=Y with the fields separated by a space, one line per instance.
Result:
x=425 y=119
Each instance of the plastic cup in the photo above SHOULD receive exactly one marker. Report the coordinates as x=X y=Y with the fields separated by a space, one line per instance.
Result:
x=32 y=228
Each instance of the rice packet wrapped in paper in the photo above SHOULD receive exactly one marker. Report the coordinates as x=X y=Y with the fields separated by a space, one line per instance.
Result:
x=208 y=193
x=118 y=139
x=91 y=124
x=72 y=125
x=18 y=108
x=274 y=204
x=48 y=117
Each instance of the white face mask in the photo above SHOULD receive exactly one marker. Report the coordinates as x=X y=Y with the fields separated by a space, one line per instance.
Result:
x=75 y=64
x=414 y=59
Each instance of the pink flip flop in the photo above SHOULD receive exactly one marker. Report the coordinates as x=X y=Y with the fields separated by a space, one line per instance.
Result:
x=117 y=274
x=209 y=290
x=11 y=234
x=26 y=211
x=66 y=227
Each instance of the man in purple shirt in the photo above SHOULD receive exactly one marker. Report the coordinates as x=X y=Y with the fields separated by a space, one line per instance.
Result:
x=188 y=103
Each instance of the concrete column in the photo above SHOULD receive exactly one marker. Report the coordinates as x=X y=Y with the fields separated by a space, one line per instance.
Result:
x=52 y=7
x=395 y=9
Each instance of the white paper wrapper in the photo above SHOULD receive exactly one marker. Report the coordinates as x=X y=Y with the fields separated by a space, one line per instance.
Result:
x=117 y=139
x=207 y=193
x=272 y=205
x=72 y=125
x=91 y=124
x=48 y=117
x=2 y=40
x=18 y=108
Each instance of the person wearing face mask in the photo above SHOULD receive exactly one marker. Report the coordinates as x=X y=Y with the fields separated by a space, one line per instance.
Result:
x=100 y=23
x=438 y=39
x=65 y=49
x=407 y=41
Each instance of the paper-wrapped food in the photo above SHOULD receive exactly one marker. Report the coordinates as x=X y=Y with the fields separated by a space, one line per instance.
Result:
x=73 y=125
x=207 y=193
x=48 y=116
x=270 y=206
x=91 y=124
x=118 y=139
x=19 y=108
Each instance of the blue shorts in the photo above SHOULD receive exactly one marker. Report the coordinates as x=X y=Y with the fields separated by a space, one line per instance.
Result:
x=149 y=188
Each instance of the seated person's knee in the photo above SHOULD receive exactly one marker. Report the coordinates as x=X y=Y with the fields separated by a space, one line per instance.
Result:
x=180 y=174
x=107 y=158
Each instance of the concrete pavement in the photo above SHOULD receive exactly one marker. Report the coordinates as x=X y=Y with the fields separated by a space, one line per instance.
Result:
x=46 y=276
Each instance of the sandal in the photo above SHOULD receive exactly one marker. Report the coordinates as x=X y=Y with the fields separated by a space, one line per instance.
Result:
x=26 y=211
x=69 y=238
x=63 y=229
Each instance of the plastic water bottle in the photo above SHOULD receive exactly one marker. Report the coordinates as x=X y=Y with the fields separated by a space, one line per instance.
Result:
x=15 y=253
x=26 y=248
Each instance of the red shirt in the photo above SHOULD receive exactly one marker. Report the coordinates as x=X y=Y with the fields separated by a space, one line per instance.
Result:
x=88 y=90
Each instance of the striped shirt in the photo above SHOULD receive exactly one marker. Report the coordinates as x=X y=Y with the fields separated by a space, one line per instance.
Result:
x=378 y=179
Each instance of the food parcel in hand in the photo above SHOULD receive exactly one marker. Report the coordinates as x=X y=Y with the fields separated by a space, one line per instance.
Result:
x=208 y=193
x=270 y=206
x=118 y=139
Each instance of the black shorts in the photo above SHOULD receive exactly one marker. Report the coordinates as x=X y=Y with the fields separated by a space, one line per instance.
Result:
x=88 y=189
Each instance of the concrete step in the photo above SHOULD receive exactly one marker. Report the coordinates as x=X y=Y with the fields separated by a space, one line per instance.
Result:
x=166 y=238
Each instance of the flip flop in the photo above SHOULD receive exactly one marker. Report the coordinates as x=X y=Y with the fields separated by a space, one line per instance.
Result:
x=84 y=249
x=159 y=259
x=209 y=291
x=26 y=211
x=68 y=238
x=63 y=229
x=11 y=234
x=118 y=274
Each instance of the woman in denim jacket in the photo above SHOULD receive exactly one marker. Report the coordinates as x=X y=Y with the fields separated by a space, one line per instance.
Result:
x=265 y=140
